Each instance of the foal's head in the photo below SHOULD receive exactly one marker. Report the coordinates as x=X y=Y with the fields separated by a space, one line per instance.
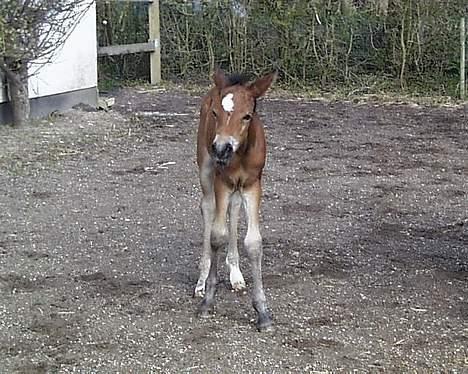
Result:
x=233 y=110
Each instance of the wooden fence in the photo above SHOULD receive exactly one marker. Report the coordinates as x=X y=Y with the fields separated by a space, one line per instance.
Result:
x=153 y=45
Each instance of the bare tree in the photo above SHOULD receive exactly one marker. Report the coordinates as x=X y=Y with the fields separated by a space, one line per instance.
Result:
x=31 y=31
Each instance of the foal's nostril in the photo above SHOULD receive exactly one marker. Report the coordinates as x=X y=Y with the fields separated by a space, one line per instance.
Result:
x=222 y=151
x=228 y=149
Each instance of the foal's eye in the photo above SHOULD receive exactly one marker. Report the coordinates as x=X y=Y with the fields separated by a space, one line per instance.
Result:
x=247 y=117
x=214 y=114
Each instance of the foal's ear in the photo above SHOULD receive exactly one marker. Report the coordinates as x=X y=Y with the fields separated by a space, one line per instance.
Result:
x=220 y=79
x=261 y=85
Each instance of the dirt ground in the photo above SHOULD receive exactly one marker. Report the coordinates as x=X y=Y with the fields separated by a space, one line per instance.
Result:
x=365 y=227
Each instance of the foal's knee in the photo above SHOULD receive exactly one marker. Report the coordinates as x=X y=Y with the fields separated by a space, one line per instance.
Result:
x=207 y=206
x=253 y=243
x=219 y=238
x=253 y=247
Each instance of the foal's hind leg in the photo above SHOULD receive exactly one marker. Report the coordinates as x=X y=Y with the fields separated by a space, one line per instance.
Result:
x=232 y=258
x=253 y=246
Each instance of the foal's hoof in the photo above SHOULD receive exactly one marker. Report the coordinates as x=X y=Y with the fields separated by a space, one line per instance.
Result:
x=205 y=311
x=205 y=314
x=238 y=286
x=264 y=323
x=237 y=280
x=199 y=292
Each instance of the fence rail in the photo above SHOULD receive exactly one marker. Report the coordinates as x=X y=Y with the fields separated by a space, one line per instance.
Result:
x=114 y=50
x=153 y=46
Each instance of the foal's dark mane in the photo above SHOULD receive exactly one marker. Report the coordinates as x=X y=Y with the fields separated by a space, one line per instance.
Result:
x=238 y=78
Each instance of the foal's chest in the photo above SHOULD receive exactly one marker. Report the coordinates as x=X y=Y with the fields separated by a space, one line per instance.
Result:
x=239 y=177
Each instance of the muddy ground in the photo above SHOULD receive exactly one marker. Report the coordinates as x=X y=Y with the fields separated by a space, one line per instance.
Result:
x=365 y=227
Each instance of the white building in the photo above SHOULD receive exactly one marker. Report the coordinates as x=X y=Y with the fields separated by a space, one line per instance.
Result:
x=69 y=80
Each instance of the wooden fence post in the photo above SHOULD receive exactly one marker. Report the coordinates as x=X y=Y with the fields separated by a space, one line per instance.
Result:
x=462 y=58
x=154 y=35
x=153 y=45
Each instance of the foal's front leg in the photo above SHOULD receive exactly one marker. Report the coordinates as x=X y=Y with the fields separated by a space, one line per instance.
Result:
x=232 y=259
x=208 y=208
x=253 y=246
x=219 y=239
x=208 y=211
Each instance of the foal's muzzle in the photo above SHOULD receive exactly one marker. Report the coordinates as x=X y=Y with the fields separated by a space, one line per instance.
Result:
x=222 y=152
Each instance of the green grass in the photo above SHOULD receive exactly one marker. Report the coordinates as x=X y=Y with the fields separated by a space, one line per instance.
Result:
x=363 y=88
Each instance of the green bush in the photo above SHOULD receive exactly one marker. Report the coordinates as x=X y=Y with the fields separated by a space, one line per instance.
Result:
x=322 y=44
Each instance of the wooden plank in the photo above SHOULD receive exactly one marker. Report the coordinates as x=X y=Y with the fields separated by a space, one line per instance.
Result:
x=123 y=1
x=3 y=88
x=123 y=49
x=154 y=35
x=462 y=58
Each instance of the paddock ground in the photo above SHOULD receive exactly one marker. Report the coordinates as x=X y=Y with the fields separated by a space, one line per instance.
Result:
x=365 y=227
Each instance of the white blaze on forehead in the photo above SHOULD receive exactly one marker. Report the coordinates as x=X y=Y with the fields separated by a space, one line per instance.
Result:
x=228 y=102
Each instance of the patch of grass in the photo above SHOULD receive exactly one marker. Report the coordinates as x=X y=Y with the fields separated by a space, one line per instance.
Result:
x=361 y=89
x=371 y=88
x=109 y=84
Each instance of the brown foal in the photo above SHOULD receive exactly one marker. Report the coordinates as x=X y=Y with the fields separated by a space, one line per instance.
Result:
x=231 y=153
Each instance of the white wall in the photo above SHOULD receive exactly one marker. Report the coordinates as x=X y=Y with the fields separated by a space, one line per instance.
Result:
x=74 y=66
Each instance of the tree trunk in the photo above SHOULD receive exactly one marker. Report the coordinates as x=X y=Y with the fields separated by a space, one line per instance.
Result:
x=382 y=7
x=19 y=94
x=347 y=7
x=197 y=6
